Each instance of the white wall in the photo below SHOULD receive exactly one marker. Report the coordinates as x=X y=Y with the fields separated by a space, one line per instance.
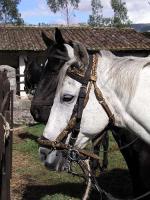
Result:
x=21 y=72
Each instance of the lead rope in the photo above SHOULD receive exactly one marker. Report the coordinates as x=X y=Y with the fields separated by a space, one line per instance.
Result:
x=6 y=127
x=93 y=182
x=91 y=179
x=89 y=182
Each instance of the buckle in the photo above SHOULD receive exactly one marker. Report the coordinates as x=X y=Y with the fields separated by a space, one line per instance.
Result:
x=73 y=155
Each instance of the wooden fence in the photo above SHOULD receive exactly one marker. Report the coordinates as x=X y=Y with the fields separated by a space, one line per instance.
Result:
x=6 y=131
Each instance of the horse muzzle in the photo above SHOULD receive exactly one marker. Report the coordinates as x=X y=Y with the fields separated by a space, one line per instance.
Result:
x=40 y=113
x=52 y=159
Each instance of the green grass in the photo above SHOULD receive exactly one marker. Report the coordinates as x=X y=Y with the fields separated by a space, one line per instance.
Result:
x=50 y=185
x=29 y=146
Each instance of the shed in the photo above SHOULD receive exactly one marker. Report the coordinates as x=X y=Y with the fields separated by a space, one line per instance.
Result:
x=20 y=42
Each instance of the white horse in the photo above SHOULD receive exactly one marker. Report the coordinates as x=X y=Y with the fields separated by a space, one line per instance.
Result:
x=125 y=85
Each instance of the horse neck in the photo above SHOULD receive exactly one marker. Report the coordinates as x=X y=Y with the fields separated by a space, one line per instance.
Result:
x=104 y=66
x=104 y=82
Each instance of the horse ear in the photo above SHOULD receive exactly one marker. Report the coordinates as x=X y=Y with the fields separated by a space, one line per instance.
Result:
x=58 y=37
x=81 y=52
x=47 y=40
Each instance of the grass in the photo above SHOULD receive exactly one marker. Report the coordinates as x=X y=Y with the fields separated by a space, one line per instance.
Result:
x=30 y=146
x=50 y=185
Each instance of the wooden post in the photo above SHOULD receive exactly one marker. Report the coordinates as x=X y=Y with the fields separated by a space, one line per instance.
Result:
x=6 y=147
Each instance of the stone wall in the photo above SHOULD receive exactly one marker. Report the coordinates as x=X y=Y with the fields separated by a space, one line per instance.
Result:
x=22 y=111
x=11 y=73
x=21 y=106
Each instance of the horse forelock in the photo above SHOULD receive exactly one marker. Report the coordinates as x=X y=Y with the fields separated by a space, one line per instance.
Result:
x=56 y=55
x=63 y=70
x=123 y=74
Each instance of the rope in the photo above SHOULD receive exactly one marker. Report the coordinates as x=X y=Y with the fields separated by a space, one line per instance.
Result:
x=86 y=170
x=6 y=128
x=142 y=196
x=120 y=148
x=89 y=184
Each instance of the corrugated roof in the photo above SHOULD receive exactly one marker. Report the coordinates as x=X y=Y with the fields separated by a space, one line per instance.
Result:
x=29 y=38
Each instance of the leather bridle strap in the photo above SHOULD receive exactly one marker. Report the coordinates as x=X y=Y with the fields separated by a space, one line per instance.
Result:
x=92 y=79
x=81 y=102
x=99 y=95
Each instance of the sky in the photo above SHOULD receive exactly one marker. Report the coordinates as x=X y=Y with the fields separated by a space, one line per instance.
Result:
x=37 y=11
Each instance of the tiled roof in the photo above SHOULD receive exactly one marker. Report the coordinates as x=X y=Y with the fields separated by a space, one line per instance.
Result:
x=14 y=38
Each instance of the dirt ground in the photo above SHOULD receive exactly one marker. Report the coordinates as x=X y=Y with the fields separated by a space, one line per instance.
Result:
x=25 y=183
x=25 y=186
x=18 y=182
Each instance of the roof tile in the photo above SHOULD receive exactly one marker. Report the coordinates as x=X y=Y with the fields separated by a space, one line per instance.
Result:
x=29 y=38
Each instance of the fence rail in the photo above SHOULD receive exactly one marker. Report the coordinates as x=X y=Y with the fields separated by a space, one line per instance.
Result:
x=6 y=136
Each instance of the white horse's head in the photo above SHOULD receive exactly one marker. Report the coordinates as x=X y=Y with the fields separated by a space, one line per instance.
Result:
x=94 y=118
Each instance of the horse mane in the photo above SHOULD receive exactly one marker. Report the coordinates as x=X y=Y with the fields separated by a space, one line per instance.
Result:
x=123 y=73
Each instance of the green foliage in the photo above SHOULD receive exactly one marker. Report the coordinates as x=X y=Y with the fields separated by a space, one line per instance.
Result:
x=120 y=18
x=65 y=6
x=57 y=5
x=9 y=12
x=96 y=18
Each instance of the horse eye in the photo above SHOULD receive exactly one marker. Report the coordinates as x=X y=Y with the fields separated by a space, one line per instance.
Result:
x=67 y=97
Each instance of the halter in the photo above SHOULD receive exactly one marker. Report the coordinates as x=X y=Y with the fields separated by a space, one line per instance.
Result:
x=87 y=80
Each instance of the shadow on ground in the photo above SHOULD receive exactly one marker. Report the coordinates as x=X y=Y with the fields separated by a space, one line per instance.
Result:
x=117 y=182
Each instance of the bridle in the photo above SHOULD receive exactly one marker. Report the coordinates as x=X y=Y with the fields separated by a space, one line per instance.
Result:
x=72 y=153
x=73 y=126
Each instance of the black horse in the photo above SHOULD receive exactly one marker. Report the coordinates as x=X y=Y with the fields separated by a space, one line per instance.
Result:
x=136 y=154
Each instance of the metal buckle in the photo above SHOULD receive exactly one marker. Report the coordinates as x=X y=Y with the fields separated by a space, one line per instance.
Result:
x=73 y=155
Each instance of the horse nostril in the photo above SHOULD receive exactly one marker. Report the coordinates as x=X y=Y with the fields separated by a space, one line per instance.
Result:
x=43 y=153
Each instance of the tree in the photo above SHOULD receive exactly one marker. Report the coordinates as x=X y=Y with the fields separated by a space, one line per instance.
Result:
x=96 y=18
x=9 y=12
x=120 y=18
x=65 y=6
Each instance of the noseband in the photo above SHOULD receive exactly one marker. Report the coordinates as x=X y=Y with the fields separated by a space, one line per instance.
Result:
x=73 y=126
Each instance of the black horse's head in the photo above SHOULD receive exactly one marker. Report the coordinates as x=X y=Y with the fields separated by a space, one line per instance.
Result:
x=45 y=92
